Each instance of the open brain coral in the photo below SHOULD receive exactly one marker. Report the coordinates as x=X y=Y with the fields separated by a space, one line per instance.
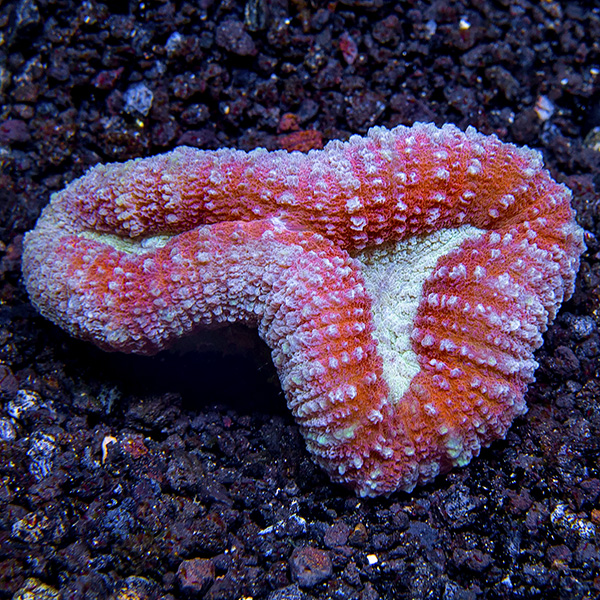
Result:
x=402 y=280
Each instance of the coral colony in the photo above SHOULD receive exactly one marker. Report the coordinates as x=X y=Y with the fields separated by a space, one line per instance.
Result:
x=402 y=280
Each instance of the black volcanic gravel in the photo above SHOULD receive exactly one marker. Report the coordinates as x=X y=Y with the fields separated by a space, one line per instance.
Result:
x=182 y=475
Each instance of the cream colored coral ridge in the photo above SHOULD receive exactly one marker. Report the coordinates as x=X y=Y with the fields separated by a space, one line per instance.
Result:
x=394 y=275
x=127 y=245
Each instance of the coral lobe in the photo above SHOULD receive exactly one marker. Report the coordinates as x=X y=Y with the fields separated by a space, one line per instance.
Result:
x=403 y=281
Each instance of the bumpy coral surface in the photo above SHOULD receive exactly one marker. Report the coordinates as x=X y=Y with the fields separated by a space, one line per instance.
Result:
x=403 y=281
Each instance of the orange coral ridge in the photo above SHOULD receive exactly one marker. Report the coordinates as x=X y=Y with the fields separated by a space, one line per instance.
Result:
x=402 y=280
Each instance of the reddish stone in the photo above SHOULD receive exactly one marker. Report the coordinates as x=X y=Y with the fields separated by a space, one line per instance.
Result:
x=310 y=566
x=196 y=575
x=14 y=130
x=301 y=140
x=8 y=382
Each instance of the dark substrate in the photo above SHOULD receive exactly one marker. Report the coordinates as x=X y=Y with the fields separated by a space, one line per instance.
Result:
x=183 y=475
